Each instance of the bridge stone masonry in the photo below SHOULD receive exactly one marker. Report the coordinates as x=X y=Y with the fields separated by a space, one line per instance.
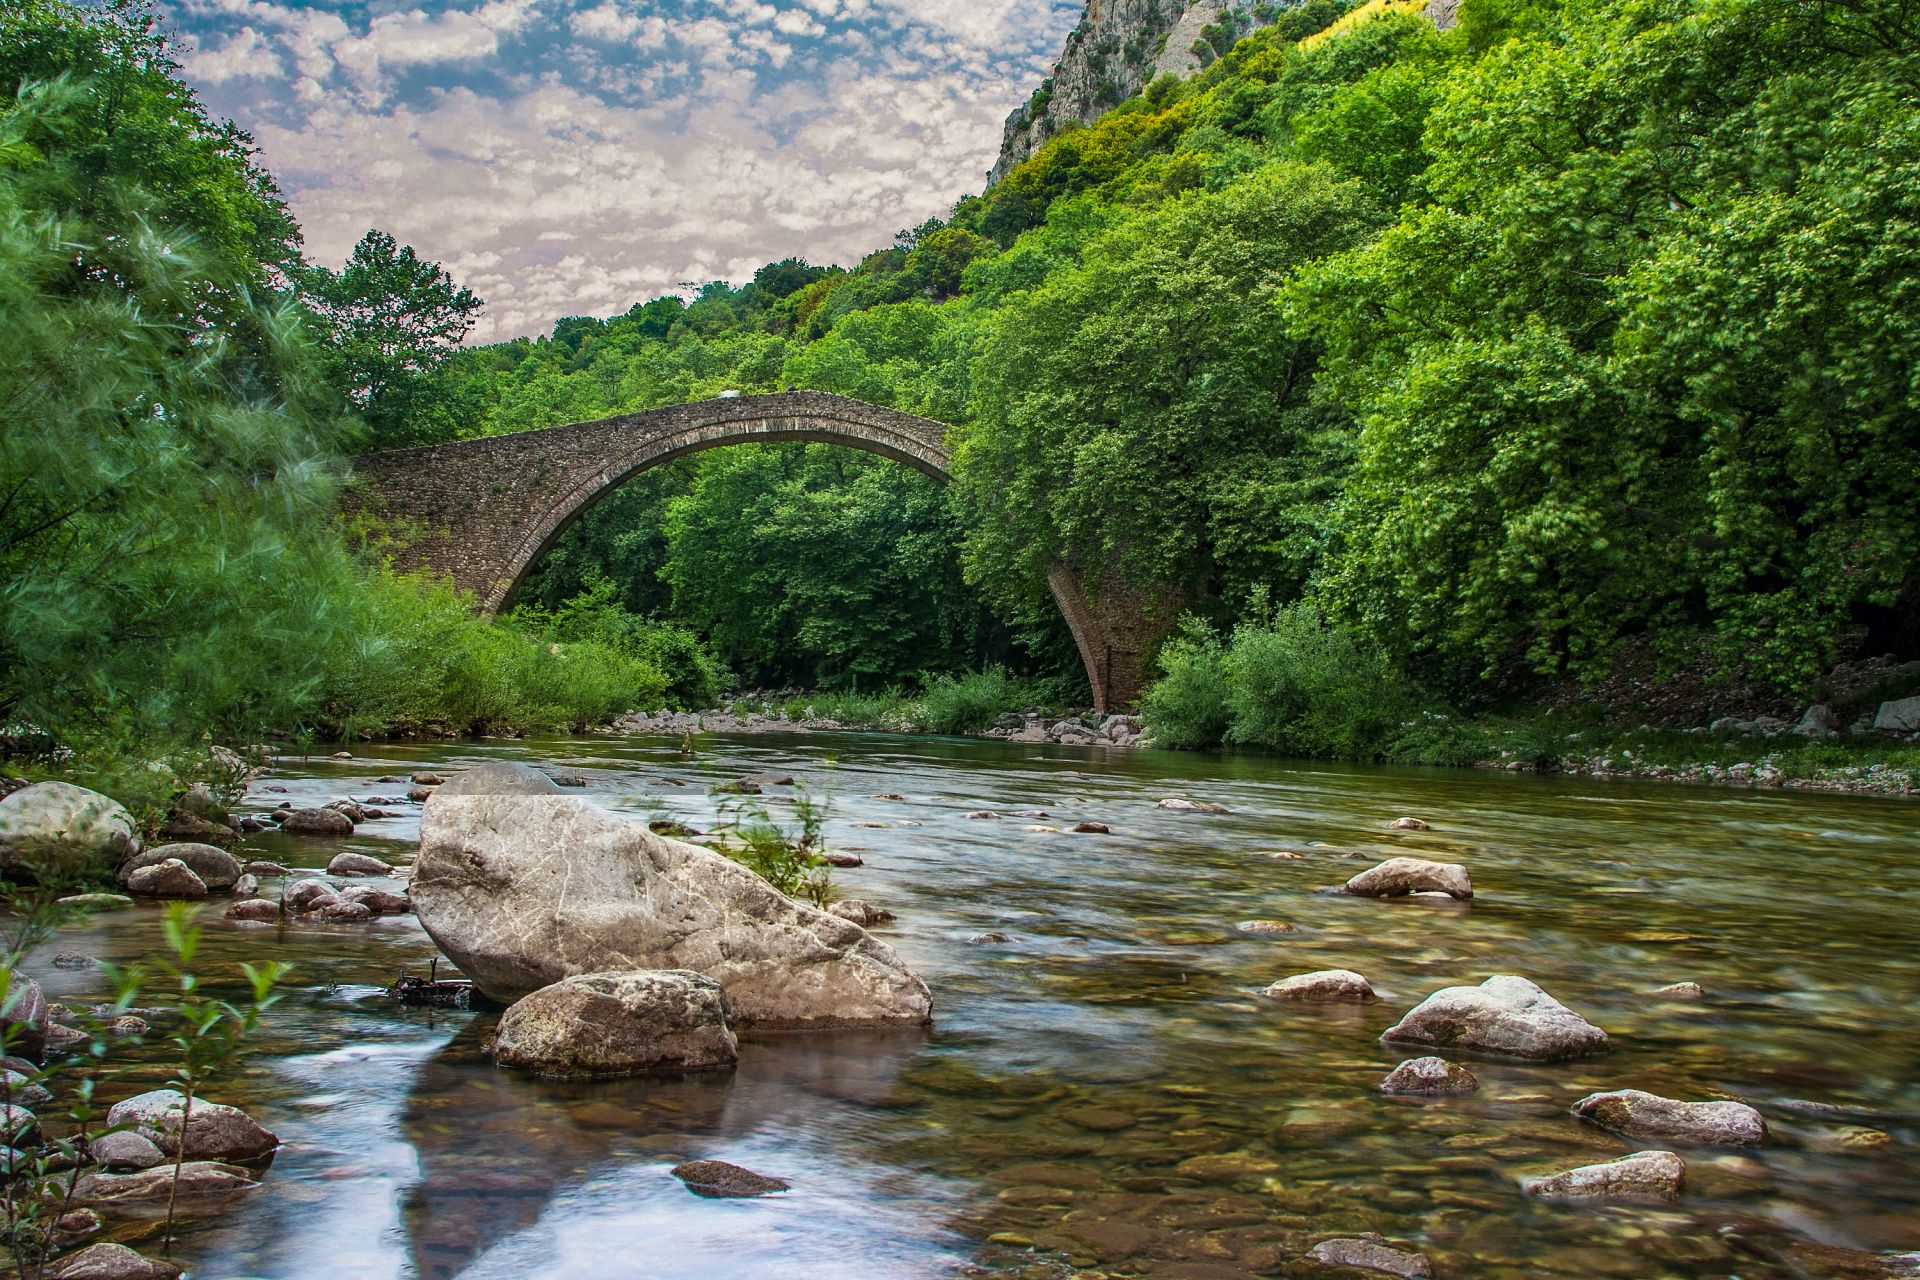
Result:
x=482 y=512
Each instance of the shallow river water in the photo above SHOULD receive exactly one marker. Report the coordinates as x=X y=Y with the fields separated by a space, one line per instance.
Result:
x=1106 y=1090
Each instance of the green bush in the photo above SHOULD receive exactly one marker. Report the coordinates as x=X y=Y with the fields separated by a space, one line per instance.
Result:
x=1301 y=686
x=971 y=702
x=1187 y=708
x=694 y=677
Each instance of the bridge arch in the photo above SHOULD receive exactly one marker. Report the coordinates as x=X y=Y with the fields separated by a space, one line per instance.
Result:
x=483 y=512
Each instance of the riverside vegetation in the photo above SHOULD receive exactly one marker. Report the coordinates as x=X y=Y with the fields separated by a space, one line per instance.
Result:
x=1458 y=354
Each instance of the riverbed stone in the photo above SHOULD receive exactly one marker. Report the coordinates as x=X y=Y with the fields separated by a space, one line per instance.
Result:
x=1648 y=1115
x=1899 y=716
x=607 y=1025
x=261 y=867
x=308 y=895
x=342 y=910
x=358 y=864
x=717 y=1179
x=256 y=909
x=1505 y=1016
x=1324 y=986
x=125 y=1150
x=199 y=1180
x=1370 y=1252
x=502 y=778
x=1180 y=804
x=19 y=1127
x=112 y=1262
x=1397 y=877
x=1680 y=991
x=168 y=878
x=1092 y=829
x=214 y=1132
x=317 y=822
x=1644 y=1175
x=1409 y=824
x=381 y=902
x=860 y=912
x=24 y=1017
x=96 y=901
x=18 y=1087
x=1429 y=1077
x=216 y=868
x=522 y=891
x=67 y=831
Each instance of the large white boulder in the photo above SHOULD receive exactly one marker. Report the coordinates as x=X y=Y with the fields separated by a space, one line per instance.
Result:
x=64 y=831
x=521 y=891
x=1505 y=1016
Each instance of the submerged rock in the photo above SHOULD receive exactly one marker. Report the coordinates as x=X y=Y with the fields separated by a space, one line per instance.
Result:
x=170 y=878
x=1432 y=1077
x=257 y=909
x=67 y=831
x=860 y=912
x=720 y=1180
x=1397 y=877
x=1265 y=928
x=199 y=1180
x=214 y=1132
x=1680 y=991
x=1506 y=1016
x=603 y=1025
x=840 y=858
x=522 y=891
x=112 y=1262
x=1648 y=1115
x=1371 y=1253
x=1327 y=986
x=1644 y=1175
x=379 y=901
x=1092 y=829
x=216 y=868
x=1409 y=824
x=1179 y=804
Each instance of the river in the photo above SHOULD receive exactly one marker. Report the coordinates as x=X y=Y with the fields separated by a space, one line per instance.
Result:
x=1052 y=1117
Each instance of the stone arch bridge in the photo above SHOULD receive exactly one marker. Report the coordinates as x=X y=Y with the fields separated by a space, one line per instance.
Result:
x=483 y=512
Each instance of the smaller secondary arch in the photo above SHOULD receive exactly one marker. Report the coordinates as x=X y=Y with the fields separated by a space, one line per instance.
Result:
x=482 y=512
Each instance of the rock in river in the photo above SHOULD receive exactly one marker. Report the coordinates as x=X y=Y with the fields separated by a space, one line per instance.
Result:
x=357 y=864
x=1648 y=1115
x=216 y=868
x=499 y=779
x=1179 y=804
x=318 y=822
x=169 y=878
x=1644 y=1175
x=1397 y=877
x=125 y=1149
x=1432 y=1077
x=1371 y=1253
x=860 y=912
x=69 y=831
x=214 y=1132
x=1327 y=986
x=1505 y=1016
x=521 y=891
x=24 y=1016
x=111 y=1262
x=199 y=1180
x=605 y=1025
x=720 y=1180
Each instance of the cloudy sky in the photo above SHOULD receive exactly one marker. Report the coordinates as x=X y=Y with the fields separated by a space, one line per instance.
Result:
x=572 y=157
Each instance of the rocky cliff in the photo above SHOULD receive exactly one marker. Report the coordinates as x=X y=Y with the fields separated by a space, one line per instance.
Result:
x=1118 y=47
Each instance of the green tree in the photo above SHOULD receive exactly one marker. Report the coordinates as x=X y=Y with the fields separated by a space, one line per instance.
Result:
x=390 y=319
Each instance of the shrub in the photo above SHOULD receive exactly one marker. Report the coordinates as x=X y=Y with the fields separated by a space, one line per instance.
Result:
x=1299 y=685
x=971 y=702
x=1187 y=708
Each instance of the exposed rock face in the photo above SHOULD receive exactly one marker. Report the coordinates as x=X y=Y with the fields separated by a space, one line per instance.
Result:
x=69 y=831
x=216 y=868
x=1505 y=1016
x=720 y=1180
x=1902 y=716
x=604 y=1025
x=1328 y=986
x=1430 y=1077
x=170 y=878
x=1644 y=1175
x=521 y=891
x=1648 y=1115
x=1397 y=877
x=1371 y=1253
x=214 y=1132
x=1117 y=48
